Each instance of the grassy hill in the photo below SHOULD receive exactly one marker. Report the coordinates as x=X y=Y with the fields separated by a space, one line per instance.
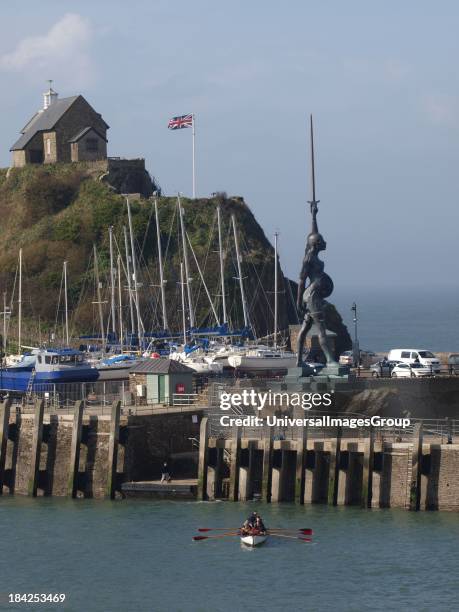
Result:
x=59 y=212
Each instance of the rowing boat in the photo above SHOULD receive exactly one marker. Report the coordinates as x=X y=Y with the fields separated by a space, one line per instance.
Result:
x=254 y=539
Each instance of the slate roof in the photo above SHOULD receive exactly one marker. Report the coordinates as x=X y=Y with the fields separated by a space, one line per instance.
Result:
x=43 y=121
x=84 y=131
x=160 y=366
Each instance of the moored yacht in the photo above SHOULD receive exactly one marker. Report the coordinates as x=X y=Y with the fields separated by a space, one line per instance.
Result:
x=261 y=359
x=44 y=366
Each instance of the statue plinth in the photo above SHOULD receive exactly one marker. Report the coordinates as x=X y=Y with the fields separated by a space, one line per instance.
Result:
x=306 y=374
x=335 y=369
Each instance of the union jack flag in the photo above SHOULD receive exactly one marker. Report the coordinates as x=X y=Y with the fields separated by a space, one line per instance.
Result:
x=177 y=123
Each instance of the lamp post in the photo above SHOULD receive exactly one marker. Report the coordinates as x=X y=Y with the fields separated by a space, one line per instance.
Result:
x=355 y=347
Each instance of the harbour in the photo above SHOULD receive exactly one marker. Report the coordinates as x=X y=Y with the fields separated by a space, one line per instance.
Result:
x=229 y=308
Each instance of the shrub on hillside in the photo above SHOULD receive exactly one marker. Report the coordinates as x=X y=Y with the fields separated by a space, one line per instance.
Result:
x=47 y=194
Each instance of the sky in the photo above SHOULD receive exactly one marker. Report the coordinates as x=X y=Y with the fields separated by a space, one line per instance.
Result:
x=380 y=79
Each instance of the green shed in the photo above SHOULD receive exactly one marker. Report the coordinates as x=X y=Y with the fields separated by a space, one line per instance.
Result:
x=158 y=381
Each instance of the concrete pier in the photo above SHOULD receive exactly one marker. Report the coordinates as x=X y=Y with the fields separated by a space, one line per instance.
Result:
x=416 y=463
x=203 y=458
x=75 y=449
x=76 y=452
x=36 y=447
x=235 y=461
x=247 y=473
x=367 y=475
x=266 y=478
x=4 y=429
x=335 y=461
x=113 y=449
x=301 y=452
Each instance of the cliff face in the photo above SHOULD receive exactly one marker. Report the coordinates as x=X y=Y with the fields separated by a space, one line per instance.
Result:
x=59 y=212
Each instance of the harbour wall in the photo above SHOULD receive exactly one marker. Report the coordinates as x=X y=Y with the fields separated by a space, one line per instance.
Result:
x=93 y=455
x=343 y=469
x=82 y=455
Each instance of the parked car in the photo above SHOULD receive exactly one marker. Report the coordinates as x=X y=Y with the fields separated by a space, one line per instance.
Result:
x=346 y=358
x=421 y=356
x=382 y=368
x=410 y=370
x=453 y=363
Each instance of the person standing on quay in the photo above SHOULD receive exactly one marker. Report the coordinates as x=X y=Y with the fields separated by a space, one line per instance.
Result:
x=165 y=475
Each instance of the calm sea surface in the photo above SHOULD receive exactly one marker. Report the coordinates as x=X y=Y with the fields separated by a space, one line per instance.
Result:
x=135 y=555
x=402 y=317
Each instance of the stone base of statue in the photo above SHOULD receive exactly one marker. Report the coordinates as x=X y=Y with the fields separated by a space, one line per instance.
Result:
x=335 y=369
x=305 y=373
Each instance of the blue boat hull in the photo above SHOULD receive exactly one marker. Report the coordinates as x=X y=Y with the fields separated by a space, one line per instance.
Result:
x=15 y=379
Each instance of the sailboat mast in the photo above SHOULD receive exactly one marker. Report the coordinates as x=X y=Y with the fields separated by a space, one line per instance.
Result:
x=66 y=306
x=239 y=271
x=182 y=287
x=4 y=322
x=161 y=271
x=187 y=265
x=222 y=269
x=134 y=276
x=276 y=297
x=112 y=280
x=128 y=269
x=20 y=303
x=120 y=303
x=99 y=298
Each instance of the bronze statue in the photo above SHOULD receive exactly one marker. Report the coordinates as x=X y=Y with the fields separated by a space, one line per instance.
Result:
x=310 y=299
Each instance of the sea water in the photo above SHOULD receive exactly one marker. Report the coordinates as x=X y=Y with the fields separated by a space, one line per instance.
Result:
x=401 y=317
x=139 y=556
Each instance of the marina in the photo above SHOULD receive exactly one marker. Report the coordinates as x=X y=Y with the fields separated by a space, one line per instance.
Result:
x=229 y=334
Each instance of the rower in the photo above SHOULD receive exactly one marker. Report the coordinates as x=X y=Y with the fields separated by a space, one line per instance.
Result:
x=252 y=519
x=259 y=525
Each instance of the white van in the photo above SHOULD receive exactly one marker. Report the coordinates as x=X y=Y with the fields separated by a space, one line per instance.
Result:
x=425 y=358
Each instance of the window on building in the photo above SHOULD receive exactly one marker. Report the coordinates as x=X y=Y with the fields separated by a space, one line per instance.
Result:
x=48 y=146
x=92 y=144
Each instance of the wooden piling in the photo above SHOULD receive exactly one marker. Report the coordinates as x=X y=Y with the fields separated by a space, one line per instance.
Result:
x=416 y=463
x=333 y=476
x=267 y=465
x=75 y=449
x=113 y=449
x=301 y=450
x=4 y=427
x=234 y=467
x=367 y=472
x=203 y=458
x=36 y=447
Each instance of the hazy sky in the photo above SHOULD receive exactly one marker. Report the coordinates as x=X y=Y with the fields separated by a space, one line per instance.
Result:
x=381 y=80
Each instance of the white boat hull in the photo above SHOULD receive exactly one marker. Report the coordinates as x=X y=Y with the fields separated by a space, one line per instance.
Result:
x=253 y=540
x=250 y=363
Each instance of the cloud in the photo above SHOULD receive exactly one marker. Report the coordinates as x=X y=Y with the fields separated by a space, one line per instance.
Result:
x=441 y=109
x=62 y=52
x=396 y=70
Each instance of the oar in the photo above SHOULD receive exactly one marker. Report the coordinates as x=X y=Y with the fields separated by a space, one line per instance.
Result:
x=305 y=531
x=214 y=537
x=281 y=535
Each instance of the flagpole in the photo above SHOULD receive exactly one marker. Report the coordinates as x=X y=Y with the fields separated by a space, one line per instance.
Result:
x=194 y=152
